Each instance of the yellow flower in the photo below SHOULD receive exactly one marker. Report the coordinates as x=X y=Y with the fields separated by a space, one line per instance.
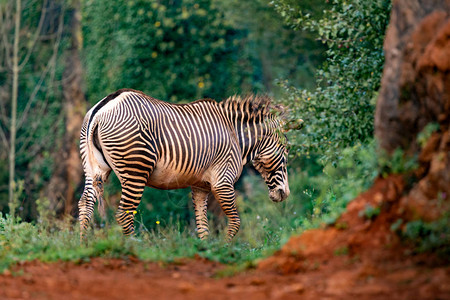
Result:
x=201 y=84
x=127 y=211
x=134 y=212
x=157 y=23
x=154 y=54
x=157 y=222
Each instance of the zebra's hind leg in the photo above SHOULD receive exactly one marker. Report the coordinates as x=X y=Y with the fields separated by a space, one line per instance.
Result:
x=93 y=191
x=86 y=207
x=200 y=200
x=225 y=195
x=129 y=201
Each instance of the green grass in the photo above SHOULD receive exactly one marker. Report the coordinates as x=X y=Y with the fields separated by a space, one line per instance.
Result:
x=22 y=241
x=264 y=229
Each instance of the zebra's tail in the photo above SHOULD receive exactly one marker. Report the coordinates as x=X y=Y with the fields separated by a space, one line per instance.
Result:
x=96 y=171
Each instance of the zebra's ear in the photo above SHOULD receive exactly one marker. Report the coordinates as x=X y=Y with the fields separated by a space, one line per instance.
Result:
x=293 y=125
x=279 y=111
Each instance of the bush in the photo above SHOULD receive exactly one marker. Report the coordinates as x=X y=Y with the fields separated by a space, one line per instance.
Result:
x=430 y=237
x=339 y=112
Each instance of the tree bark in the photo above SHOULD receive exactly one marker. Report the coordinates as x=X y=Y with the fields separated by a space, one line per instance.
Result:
x=75 y=109
x=68 y=173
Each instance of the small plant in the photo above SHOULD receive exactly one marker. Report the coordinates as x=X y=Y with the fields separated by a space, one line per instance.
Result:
x=430 y=237
x=17 y=193
x=396 y=163
x=395 y=227
x=341 y=251
x=45 y=212
x=341 y=225
x=235 y=269
x=370 y=212
x=426 y=133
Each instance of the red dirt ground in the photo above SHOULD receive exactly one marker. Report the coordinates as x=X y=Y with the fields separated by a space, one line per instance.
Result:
x=356 y=258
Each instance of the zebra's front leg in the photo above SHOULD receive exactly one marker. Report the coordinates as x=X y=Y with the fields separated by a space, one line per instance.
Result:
x=129 y=201
x=200 y=200
x=226 y=197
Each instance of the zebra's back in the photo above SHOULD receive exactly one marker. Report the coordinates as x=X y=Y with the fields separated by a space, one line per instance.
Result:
x=178 y=145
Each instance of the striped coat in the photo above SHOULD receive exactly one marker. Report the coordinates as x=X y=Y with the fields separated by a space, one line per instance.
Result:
x=202 y=145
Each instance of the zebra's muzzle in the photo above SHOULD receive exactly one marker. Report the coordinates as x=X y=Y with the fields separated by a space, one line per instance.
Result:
x=278 y=195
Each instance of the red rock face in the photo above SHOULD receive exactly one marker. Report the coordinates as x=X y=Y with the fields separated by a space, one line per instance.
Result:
x=416 y=91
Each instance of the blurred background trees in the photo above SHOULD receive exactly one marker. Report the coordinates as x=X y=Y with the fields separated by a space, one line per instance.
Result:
x=322 y=59
x=30 y=118
x=172 y=50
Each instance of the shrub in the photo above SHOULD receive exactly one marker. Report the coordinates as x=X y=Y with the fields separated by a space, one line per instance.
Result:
x=339 y=112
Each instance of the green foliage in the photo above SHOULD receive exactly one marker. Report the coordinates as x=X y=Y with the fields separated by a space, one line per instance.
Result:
x=189 y=49
x=341 y=182
x=39 y=100
x=341 y=251
x=175 y=51
x=14 y=204
x=430 y=237
x=396 y=163
x=271 y=50
x=339 y=113
x=396 y=225
x=46 y=215
x=426 y=133
x=233 y=270
x=370 y=212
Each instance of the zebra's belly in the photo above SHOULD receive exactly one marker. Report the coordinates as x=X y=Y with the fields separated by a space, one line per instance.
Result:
x=167 y=178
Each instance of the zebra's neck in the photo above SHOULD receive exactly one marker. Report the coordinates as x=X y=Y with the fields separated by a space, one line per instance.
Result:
x=251 y=121
x=250 y=137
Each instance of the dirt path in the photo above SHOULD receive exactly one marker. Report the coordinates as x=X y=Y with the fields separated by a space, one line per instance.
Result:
x=194 y=279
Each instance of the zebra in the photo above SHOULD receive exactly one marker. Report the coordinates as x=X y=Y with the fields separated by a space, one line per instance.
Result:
x=203 y=145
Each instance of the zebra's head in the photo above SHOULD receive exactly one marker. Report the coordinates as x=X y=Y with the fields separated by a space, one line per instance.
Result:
x=271 y=162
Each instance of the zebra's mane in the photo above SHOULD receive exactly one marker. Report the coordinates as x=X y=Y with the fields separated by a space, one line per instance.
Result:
x=252 y=106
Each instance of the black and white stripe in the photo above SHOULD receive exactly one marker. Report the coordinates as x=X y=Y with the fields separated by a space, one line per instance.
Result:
x=202 y=145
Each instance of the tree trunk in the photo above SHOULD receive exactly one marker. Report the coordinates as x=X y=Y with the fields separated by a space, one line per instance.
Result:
x=415 y=92
x=75 y=109
x=13 y=128
x=68 y=174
